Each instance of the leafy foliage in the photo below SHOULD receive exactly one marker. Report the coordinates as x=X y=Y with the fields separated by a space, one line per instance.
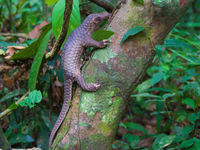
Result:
x=33 y=98
x=57 y=17
x=170 y=94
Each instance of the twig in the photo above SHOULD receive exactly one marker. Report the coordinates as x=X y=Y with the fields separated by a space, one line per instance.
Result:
x=22 y=35
x=103 y=4
x=8 y=111
x=65 y=25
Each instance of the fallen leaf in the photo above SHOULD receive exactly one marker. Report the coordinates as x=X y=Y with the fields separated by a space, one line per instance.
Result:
x=11 y=50
x=35 y=33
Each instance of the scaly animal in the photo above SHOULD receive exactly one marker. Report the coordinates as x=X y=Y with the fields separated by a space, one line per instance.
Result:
x=71 y=61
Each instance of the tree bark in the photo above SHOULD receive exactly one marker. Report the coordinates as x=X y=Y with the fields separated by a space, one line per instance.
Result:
x=93 y=118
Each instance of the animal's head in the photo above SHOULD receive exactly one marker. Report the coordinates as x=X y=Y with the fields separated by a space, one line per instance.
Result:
x=94 y=20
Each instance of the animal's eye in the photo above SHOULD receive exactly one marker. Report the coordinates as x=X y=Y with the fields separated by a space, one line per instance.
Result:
x=98 y=19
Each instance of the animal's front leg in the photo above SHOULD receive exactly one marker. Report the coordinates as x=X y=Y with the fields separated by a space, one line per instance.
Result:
x=98 y=44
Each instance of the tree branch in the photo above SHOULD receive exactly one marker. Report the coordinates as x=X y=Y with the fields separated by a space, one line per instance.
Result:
x=103 y=4
x=63 y=33
x=8 y=111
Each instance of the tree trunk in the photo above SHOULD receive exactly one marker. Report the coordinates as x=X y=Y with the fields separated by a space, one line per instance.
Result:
x=93 y=118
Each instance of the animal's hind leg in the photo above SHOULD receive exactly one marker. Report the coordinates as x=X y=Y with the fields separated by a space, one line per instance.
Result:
x=86 y=86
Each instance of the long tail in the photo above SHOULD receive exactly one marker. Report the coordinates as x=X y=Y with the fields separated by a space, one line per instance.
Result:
x=64 y=110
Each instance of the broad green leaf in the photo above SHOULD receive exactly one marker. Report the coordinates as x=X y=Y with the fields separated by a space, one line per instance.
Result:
x=187 y=130
x=190 y=102
x=37 y=61
x=50 y=2
x=33 y=98
x=132 y=32
x=13 y=106
x=166 y=141
x=31 y=50
x=132 y=139
x=196 y=143
x=135 y=126
x=193 y=117
x=157 y=77
x=144 y=86
x=163 y=141
x=187 y=143
x=57 y=17
x=100 y=35
x=12 y=94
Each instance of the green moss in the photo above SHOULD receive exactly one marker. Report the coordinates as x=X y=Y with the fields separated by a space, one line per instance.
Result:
x=103 y=55
x=113 y=111
x=105 y=129
x=94 y=141
x=91 y=103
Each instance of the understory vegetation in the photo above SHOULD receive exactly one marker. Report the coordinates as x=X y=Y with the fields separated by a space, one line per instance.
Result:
x=164 y=108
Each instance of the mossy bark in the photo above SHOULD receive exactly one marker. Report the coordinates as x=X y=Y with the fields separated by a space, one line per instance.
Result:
x=94 y=117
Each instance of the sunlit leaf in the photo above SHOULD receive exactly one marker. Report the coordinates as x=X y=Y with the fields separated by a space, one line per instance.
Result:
x=132 y=32
x=33 y=98
x=37 y=61
x=190 y=102
x=31 y=50
x=57 y=17
x=100 y=35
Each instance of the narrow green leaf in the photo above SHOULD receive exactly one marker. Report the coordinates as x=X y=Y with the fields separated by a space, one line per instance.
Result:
x=193 y=117
x=146 y=95
x=190 y=102
x=100 y=35
x=57 y=17
x=187 y=143
x=157 y=77
x=135 y=126
x=37 y=61
x=165 y=96
x=132 y=139
x=12 y=94
x=31 y=50
x=132 y=32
